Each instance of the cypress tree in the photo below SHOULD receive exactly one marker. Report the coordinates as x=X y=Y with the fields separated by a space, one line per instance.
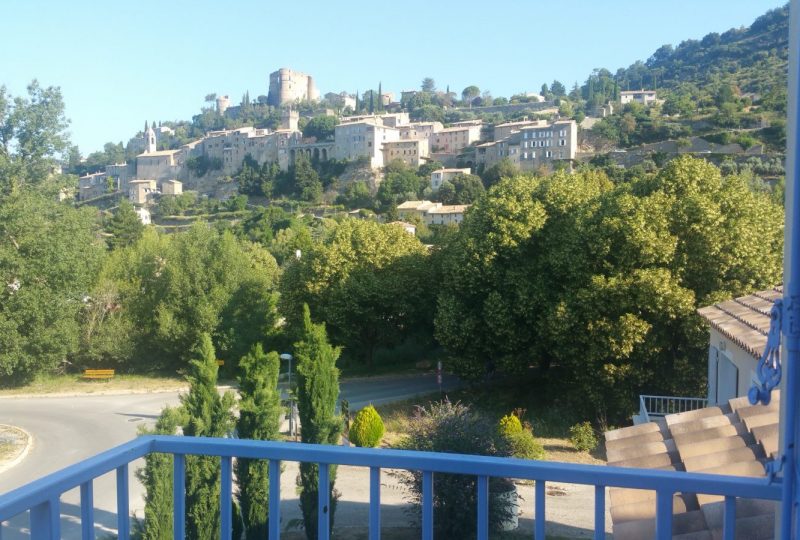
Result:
x=207 y=415
x=380 y=96
x=156 y=477
x=259 y=419
x=317 y=392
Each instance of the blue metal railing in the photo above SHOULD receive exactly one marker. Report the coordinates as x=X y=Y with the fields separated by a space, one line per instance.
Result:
x=41 y=497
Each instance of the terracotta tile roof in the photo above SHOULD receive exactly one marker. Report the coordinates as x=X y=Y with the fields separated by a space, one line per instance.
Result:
x=744 y=320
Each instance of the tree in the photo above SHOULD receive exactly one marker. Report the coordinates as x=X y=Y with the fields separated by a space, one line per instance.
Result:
x=368 y=281
x=469 y=93
x=306 y=180
x=32 y=136
x=207 y=415
x=50 y=255
x=502 y=169
x=428 y=85
x=317 y=394
x=156 y=477
x=321 y=127
x=259 y=419
x=461 y=189
x=558 y=89
x=124 y=226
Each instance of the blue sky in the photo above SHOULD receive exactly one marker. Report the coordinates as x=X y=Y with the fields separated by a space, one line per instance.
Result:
x=121 y=63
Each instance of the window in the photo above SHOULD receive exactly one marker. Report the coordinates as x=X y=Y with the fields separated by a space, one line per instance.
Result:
x=548 y=154
x=562 y=142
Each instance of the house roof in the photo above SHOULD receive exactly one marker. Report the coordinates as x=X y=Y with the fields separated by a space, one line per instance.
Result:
x=450 y=209
x=744 y=320
x=159 y=153
x=733 y=438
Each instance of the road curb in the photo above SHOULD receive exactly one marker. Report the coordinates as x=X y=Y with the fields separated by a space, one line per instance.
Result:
x=127 y=392
x=4 y=466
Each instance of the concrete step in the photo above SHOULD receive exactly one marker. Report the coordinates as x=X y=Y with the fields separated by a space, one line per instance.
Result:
x=646 y=509
x=702 y=424
x=623 y=496
x=698 y=535
x=688 y=416
x=743 y=401
x=644 y=438
x=631 y=431
x=715 y=512
x=770 y=444
x=648 y=462
x=714 y=459
x=743 y=468
x=648 y=449
x=768 y=430
x=761 y=420
x=689 y=522
x=690 y=450
x=751 y=528
x=755 y=410
x=710 y=433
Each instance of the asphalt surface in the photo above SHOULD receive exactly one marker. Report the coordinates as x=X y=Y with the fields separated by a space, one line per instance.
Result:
x=66 y=430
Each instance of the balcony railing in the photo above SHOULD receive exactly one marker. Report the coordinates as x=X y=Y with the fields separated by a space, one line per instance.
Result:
x=42 y=496
x=651 y=407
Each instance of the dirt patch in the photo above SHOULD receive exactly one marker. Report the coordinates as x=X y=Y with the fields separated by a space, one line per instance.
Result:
x=562 y=450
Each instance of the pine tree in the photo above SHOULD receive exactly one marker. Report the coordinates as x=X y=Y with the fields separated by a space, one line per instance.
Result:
x=207 y=415
x=317 y=392
x=156 y=477
x=124 y=226
x=260 y=419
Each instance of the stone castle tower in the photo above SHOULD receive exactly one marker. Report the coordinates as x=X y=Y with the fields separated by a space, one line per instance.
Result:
x=287 y=86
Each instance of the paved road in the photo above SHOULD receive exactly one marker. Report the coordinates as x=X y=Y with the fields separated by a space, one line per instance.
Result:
x=67 y=429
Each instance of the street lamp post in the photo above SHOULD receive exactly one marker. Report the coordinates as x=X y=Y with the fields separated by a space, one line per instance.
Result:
x=288 y=358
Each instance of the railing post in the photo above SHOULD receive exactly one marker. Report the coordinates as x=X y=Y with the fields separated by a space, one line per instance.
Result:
x=274 y=499
x=323 y=501
x=46 y=520
x=790 y=436
x=663 y=515
x=123 y=506
x=179 y=497
x=374 y=503
x=483 y=507
x=225 y=488
x=539 y=511
x=599 y=512
x=87 y=510
x=427 y=505
x=729 y=523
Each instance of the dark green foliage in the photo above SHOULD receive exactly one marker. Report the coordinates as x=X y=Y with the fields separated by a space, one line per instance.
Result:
x=307 y=184
x=259 y=419
x=356 y=195
x=156 y=477
x=202 y=164
x=207 y=415
x=321 y=127
x=453 y=427
x=50 y=255
x=400 y=183
x=461 y=189
x=124 y=226
x=317 y=393
x=367 y=429
x=502 y=169
x=582 y=437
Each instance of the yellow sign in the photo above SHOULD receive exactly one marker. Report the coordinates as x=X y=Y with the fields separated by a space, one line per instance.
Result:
x=220 y=362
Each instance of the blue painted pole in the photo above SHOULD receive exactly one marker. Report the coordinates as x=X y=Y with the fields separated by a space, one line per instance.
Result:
x=599 y=512
x=374 y=503
x=483 y=507
x=427 y=505
x=323 y=503
x=46 y=520
x=729 y=523
x=274 y=499
x=225 y=489
x=87 y=510
x=123 y=506
x=539 y=511
x=663 y=515
x=791 y=302
x=179 y=497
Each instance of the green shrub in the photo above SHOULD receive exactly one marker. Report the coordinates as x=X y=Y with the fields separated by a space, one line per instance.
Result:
x=509 y=425
x=582 y=437
x=453 y=427
x=367 y=429
x=524 y=445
